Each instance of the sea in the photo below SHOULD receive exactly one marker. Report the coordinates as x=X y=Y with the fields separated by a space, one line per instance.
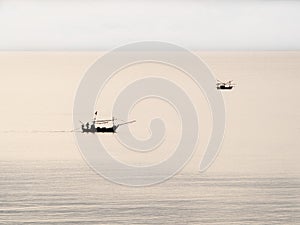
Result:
x=254 y=180
x=70 y=192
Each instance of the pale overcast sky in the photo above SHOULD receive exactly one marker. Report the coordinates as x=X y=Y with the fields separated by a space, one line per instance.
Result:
x=102 y=25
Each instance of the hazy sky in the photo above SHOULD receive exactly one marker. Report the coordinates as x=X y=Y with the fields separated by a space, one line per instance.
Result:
x=98 y=25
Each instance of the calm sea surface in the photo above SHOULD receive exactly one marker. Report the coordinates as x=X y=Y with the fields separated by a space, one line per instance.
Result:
x=69 y=192
x=261 y=146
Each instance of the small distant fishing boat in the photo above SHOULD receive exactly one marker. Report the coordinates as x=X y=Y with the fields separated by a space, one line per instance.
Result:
x=225 y=85
x=93 y=128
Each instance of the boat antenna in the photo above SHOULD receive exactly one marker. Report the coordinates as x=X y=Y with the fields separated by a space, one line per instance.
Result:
x=95 y=116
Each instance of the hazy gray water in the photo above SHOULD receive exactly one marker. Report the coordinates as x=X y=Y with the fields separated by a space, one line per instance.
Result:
x=68 y=192
x=261 y=144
